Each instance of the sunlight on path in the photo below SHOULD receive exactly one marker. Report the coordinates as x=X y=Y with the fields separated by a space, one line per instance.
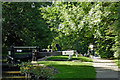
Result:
x=105 y=68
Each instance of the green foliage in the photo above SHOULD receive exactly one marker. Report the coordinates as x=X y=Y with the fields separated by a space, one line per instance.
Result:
x=109 y=36
x=24 y=26
x=72 y=25
x=117 y=61
x=25 y=67
x=38 y=71
x=79 y=23
x=67 y=19
x=4 y=48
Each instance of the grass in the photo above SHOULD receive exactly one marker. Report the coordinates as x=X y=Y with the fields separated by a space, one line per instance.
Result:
x=117 y=62
x=69 y=69
x=81 y=58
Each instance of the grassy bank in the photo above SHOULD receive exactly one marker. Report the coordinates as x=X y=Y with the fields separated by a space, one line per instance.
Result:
x=69 y=69
x=81 y=58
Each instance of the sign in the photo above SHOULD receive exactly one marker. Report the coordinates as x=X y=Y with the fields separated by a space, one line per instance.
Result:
x=19 y=50
x=68 y=52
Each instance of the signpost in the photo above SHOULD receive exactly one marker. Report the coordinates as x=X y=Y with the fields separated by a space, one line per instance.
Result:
x=70 y=53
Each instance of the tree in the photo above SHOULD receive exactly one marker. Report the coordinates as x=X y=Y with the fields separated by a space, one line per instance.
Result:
x=66 y=19
x=85 y=23
x=24 y=26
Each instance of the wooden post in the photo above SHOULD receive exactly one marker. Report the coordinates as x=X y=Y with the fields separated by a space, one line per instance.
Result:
x=12 y=54
x=12 y=51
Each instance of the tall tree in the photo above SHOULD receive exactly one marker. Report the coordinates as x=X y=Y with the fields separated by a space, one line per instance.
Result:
x=24 y=26
x=84 y=23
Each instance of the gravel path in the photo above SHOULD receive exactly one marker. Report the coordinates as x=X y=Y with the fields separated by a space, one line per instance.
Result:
x=106 y=69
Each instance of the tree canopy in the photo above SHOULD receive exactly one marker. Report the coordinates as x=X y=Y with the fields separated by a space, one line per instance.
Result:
x=80 y=23
x=72 y=25
x=24 y=26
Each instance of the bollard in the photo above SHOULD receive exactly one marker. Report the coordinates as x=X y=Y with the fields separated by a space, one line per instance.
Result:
x=76 y=55
x=12 y=51
x=9 y=53
x=70 y=57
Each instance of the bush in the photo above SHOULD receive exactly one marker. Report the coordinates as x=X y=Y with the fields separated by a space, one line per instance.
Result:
x=4 y=51
x=37 y=72
x=106 y=53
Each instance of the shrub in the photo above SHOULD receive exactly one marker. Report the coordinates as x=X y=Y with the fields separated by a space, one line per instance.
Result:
x=38 y=71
